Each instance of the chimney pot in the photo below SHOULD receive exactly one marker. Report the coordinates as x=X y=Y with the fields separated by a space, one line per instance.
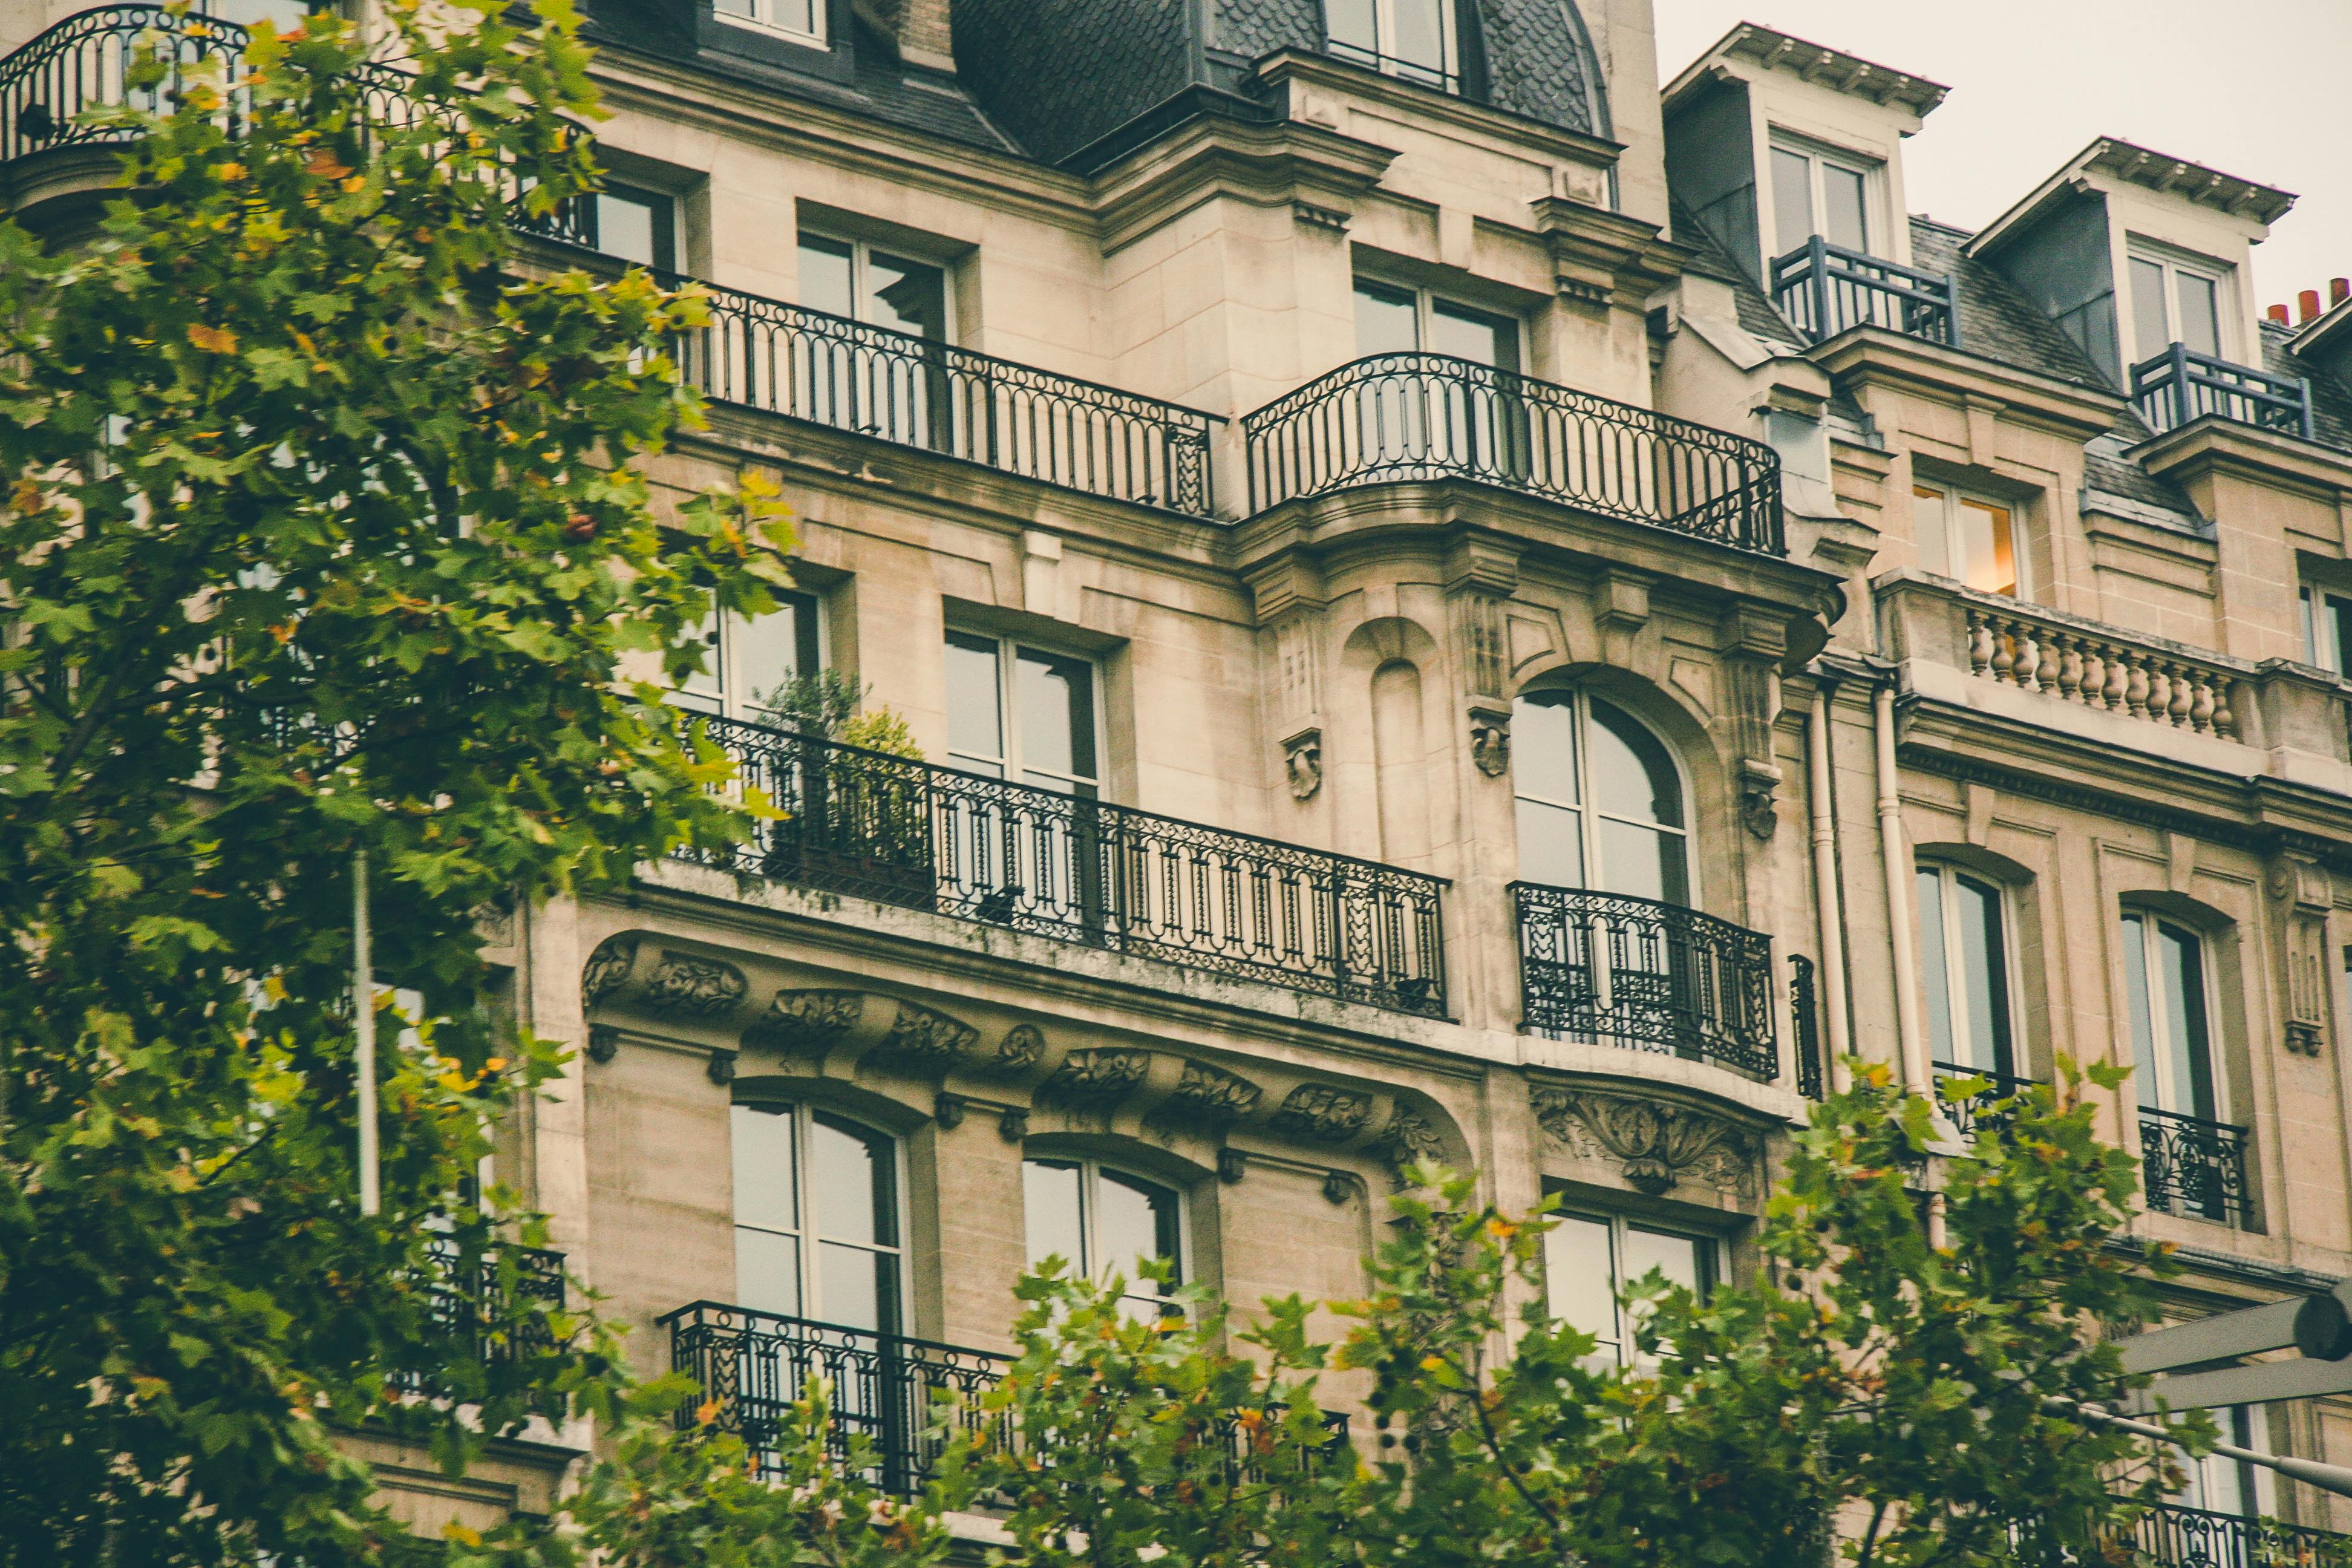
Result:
x=2309 y=301
x=2278 y=314
x=2339 y=291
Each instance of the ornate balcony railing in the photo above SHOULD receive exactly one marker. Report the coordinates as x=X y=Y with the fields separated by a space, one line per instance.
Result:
x=1426 y=416
x=84 y=63
x=1825 y=289
x=885 y=1388
x=1087 y=871
x=2179 y=385
x=1804 y=1007
x=1658 y=977
x=2191 y=1165
x=917 y=392
x=1971 y=1111
x=469 y=1302
x=2170 y=1536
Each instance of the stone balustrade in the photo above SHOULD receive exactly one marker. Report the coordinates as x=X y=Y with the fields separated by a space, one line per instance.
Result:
x=2109 y=672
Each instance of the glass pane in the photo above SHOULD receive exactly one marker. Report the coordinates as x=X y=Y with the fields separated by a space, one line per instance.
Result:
x=1543 y=747
x=1792 y=199
x=767 y=1181
x=797 y=15
x=1353 y=27
x=1055 y=699
x=2200 y=314
x=732 y=7
x=1935 y=977
x=1678 y=1257
x=1133 y=1219
x=1842 y=199
x=857 y=1288
x=906 y=296
x=2339 y=614
x=1989 y=561
x=975 y=724
x=1386 y=322
x=1420 y=39
x=1051 y=1212
x=1643 y=863
x=825 y=275
x=1632 y=775
x=1984 y=970
x=767 y=1272
x=773 y=648
x=1473 y=335
x=850 y=1182
x=2183 y=959
x=2149 y=330
x=2142 y=1024
x=707 y=688
x=1550 y=850
x=627 y=228
x=1578 y=1280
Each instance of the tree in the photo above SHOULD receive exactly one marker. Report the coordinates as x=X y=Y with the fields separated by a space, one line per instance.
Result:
x=323 y=539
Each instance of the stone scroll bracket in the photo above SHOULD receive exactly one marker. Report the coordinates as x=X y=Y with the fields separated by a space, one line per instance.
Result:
x=2305 y=895
x=1753 y=642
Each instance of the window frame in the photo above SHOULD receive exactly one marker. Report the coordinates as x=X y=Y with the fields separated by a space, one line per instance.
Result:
x=1588 y=812
x=1426 y=304
x=1948 y=876
x=1708 y=1250
x=861 y=262
x=1449 y=35
x=808 y=1240
x=1818 y=155
x=2175 y=264
x=1090 y=1174
x=1953 y=500
x=2322 y=638
x=762 y=21
x=1011 y=768
x=659 y=202
x=730 y=701
x=2173 y=1099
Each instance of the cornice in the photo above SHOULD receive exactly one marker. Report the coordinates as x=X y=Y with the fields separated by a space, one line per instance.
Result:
x=1520 y=132
x=1269 y=163
x=2212 y=446
x=1874 y=356
x=1635 y=256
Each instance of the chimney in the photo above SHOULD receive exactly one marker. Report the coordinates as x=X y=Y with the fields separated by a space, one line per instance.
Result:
x=2339 y=291
x=2309 y=301
x=918 y=27
x=2278 y=314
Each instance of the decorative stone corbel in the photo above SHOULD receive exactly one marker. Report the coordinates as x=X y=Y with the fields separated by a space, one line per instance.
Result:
x=1012 y=1125
x=1490 y=736
x=1302 y=761
x=1232 y=1165
x=1752 y=641
x=1657 y=1145
x=627 y=971
x=2305 y=895
x=948 y=1111
x=603 y=1042
x=721 y=1067
x=1338 y=1186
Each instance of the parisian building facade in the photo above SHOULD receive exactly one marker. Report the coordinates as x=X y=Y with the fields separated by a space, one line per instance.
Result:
x=1462 y=601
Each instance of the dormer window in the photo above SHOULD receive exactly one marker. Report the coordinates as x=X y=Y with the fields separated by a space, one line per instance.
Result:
x=1818 y=191
x=801 y=21
x=2175 y=300
x=1409 y=39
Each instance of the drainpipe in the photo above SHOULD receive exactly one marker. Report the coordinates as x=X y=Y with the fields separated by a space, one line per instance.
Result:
x=1827 y=897
x=1910 y=1035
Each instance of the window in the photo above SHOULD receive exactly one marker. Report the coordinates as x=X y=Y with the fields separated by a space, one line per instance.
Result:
x=1821 y=192
x=2167 y=988
x=639 y=226
x=2226 y=1486
x=1410 y=39
x=1964 y=959
x=1022 y=713
x=850 y=278
x=1397 y=320
x=816 y=1217
x=1100 y=1221
x=1966 y=537
x=2173 y=302
x=2327 y=628
x=1589 y=1260
x=803 y=21
x=748 y=660
x=1600 y=800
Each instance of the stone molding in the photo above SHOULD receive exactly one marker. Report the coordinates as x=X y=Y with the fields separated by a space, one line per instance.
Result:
x=1657 y=1145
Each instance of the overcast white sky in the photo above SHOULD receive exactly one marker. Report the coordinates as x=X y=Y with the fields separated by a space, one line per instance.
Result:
x=2260 y=88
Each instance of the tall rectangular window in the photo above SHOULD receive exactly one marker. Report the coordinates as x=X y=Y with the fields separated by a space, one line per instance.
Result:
x=747 y=661
x=817 y=1216
x=867 y=283
x=1591 y=1259
x=2166 y=989
x=1964 y=963
x=1022 y=713
x=1817 y=191
x=2327 y=628
x=639 y=226
x=2175 y=300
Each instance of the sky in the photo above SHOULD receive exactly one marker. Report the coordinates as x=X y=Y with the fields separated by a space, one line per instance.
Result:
x=2254 y=88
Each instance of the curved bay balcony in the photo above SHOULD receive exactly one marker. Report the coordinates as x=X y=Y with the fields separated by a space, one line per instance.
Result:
x=1610 y=969
x=1417 y=416
x=1082 y=870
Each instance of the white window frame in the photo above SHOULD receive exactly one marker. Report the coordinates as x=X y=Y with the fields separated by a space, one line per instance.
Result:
x=2176 y=264
x=1011 y=766
x=811 y=1283
x=1947 y=876
x=1094 y=1266
x=1384 y=30
x=1708 y=1249
x=2171 y=1097
x=732 y=700
x=1589 y=813
x=1875 y=227
x=861 y=260
x=2320 y=634
x=762 y=20
x=1953 y=498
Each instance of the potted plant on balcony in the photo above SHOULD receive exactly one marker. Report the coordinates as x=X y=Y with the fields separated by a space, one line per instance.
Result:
x=854 y=792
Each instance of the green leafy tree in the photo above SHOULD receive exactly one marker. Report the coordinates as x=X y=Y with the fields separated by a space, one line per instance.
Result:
x=321 y=538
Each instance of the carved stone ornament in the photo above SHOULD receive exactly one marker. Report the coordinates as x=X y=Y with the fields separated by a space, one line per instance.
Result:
x=1409 y=1140
x=1490 y=743
x=721 y=1067
x=1209 y=1095
x=690 y=988
x=1657 y=1145
x=607 y=967
x=603 y=1042
x=1759 y=791
x=1096 y=1078
x=1302 y=761
x=927 y=1037
x=811 y=1023
x=1019 y=1050
x=1322 y=1113
x=1232 y=1165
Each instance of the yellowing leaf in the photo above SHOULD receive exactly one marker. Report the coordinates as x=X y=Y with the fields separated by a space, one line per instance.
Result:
x=212 y=340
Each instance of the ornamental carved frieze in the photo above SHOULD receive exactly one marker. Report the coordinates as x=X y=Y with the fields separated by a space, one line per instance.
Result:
x=1407 y=1140
x=1209 y=1096
x=1657 y=1146
x=928 y=1038
x=674 y=986
x=809 y=1023
x=1019 y=1049
x=607 y=967
x=1323 y=1113
x=1094 y=1078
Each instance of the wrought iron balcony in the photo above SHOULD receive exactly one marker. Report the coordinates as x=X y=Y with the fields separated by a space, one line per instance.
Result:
x=84 y=63
x=1411 y=416
x=2191 y=1165
x=1804 y=1006
x=2176 y=386
x=470 y=1303
x=917 y=392
x=1971 y=1111
x=1085 y=871
x=1653 y=977
x=1825 y=289
x=885 y=1388
x=2173 y=1537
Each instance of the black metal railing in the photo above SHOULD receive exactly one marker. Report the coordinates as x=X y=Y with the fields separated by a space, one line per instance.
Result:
x=1973 y=1111
x=885 y=1388
x=84 y=63
x=1082 y=870
x=2178 y=385
x=2170 y=1536
x=1804 y=1007
x=1824 y=289
x=1416 y=71
x=468 y=1301
x=2191 y=1165
x=1654 y=976
x=1427 y=417
x=918 y=392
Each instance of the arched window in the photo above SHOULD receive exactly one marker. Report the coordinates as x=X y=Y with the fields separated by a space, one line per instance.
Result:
x=1601 y=802
x=816 y=1217
x=1964 y=961
x=1100 y=1221
x=2168 y=986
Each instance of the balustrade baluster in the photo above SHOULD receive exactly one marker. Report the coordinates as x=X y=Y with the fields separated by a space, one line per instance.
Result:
x=2004 y=649
x=2029 y=654
x=2135 y=689
x=2178 y=701
x=1981 y=642
x=2070 y=665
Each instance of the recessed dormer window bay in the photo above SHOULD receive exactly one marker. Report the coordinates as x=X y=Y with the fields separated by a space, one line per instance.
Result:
x=2175 y=300
x=1409 y=39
